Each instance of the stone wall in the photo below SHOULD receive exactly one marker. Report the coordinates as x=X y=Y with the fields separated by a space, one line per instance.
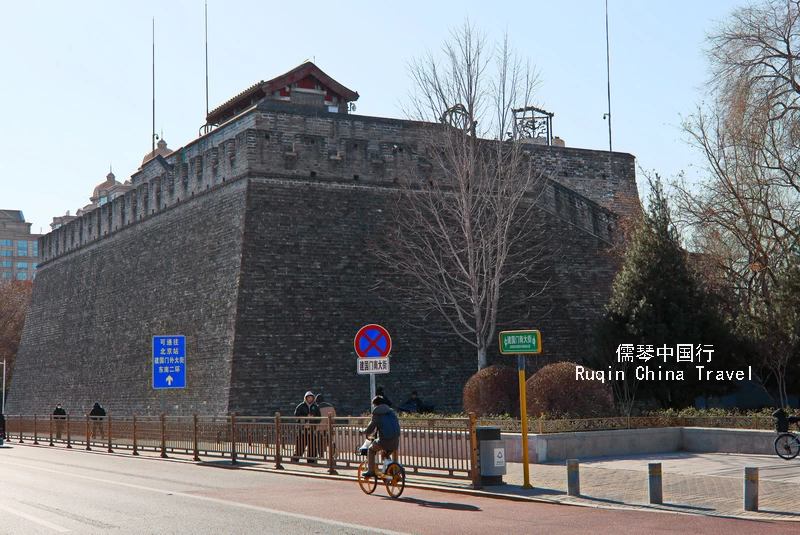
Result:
x=254 y=242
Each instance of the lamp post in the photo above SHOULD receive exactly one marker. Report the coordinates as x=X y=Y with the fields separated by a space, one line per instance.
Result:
x=3 y=411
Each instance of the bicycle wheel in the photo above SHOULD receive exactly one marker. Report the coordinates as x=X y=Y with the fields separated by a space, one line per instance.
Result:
x=395 y=479
x=787 y=446
x=367 y=485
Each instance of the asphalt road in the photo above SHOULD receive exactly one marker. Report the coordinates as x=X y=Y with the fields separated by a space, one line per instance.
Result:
x=51 y=490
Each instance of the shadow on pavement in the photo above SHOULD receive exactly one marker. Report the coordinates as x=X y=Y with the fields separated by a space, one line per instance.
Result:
x=439 y=505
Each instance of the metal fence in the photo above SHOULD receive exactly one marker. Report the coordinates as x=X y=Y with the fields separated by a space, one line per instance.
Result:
x=428 y=447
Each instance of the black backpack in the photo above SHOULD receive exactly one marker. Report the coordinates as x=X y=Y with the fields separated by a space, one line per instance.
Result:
x=781 y=421
x=390 y=425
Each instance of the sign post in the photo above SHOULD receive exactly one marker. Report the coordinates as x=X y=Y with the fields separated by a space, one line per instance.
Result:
x=373 y=345
x=169 y=364
x=522 y=343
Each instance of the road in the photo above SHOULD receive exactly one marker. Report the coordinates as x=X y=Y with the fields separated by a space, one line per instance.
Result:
x=52 y=490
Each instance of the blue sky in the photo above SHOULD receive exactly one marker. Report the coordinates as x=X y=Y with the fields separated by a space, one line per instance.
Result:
x=76 y=84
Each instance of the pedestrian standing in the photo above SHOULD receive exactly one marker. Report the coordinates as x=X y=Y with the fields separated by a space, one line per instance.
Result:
x=305 y=436
x=97 y=415
x=59 y=415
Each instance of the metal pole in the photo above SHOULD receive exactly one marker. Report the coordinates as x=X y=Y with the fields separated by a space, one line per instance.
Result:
x=750 y=488
x=371 y=390
x=608 y=74
x=573 y=478
x=523 y=416
x=4 y=387
x=655 y=489
x=163 y=401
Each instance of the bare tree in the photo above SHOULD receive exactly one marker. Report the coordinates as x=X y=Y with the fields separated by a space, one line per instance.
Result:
x=466 y=229
x=745 y=216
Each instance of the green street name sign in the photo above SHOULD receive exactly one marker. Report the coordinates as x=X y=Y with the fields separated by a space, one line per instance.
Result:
x=520 y=342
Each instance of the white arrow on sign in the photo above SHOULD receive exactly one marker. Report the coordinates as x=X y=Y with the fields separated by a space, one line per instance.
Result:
x=169 y=380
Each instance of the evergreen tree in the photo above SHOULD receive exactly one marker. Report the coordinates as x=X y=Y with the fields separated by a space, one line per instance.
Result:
x=656 y=304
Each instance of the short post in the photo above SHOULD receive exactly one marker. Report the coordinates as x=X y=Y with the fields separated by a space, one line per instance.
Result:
x=88 y=437
x=35 y=431
x=331 y=447
x=69 y=445
x=654 y=483
x=473 y=437
x=194 y=437
x=163 y=435
x=573 y=478
x=50 y=420
x=750 y=488
x=278 y=442
x=109 y=434
x=135 y=449
x=20 y=430
x=233 y=438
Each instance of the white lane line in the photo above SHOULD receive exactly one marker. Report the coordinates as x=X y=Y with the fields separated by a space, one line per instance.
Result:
x=213 y=500
x=32 y=518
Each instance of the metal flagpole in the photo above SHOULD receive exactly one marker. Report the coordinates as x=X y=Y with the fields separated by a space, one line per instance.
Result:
x=608 y=74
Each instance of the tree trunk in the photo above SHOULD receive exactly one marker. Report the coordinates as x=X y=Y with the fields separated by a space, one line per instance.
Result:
x=481 y=357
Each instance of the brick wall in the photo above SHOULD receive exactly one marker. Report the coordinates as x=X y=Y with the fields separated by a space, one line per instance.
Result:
x=253 y=242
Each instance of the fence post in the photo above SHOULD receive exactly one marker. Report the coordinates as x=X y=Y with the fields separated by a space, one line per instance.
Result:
x=135 y=450
x=196 y=443
x=233 y=438
x=474 y=469
x=654 y=483
x=163 y=436
x=109 y=434
x=88 y=446
x=278 y=442
x=50 y=421
x=750 y=488
x=20 y=430
x=69 y=444
x=573 y=478
x=35 y=431
x=331 y=447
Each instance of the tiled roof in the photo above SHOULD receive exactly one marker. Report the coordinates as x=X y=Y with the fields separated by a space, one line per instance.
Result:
x=298 y=73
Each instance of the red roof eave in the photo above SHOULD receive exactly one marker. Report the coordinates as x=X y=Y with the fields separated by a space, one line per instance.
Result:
x=287 y=79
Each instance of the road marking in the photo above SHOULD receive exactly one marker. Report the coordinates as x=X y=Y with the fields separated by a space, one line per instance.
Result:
x=299 y=516
x=32 y=518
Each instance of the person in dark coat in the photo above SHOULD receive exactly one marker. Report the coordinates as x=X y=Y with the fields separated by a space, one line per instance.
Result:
x=412 y=404
x=305 y=434
x=382 y=444
x=59 y=415
x=379 y=393
x=97 y=414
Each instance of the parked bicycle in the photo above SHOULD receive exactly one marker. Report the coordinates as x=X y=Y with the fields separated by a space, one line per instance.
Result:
x=787 y=444
x=390 y=472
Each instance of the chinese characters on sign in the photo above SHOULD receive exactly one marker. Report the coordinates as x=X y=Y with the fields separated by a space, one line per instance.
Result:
x=680 y=353
x=373 y=365
x=169 y=361
x=520 y=342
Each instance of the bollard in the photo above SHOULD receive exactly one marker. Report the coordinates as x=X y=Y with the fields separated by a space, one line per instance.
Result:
x=135 y=449
x=750 y=488
x=654 y=482
x=109 y=434
x=573 y=478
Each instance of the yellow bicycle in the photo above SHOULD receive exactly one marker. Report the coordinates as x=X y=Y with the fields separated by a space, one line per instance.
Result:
x=390 y=472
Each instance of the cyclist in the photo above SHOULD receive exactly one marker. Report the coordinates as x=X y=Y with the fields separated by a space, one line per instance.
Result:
x=388 y=440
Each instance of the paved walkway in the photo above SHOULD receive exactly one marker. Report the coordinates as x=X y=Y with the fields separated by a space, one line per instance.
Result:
x=708 y=484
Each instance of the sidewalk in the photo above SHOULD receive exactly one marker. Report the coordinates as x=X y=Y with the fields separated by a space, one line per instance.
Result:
x=706 y=484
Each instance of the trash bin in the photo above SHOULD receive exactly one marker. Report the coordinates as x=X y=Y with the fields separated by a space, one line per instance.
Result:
x=491 y=455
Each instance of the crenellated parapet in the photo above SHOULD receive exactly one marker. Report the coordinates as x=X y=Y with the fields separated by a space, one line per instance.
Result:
x=273 y=140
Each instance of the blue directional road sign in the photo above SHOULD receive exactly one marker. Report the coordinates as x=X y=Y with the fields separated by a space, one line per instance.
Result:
x=169 y=361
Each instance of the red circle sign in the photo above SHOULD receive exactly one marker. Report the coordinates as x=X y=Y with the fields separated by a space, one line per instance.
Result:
x=372 y=341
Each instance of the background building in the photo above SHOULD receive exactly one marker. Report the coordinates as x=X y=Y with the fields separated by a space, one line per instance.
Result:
x=19 y=248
